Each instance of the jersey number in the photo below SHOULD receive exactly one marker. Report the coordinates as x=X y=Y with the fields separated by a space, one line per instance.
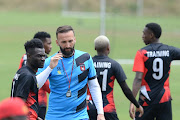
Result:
x=157 y=68
x=104 y=80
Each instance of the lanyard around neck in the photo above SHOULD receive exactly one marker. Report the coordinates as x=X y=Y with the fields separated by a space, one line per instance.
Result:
x=69 y=80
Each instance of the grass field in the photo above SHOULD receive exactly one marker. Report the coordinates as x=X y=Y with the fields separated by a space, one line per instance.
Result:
x=124 y=33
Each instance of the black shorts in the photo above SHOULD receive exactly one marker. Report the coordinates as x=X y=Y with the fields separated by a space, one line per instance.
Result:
x=161 y=111
x=111 y=116
x=42 y=112
x=108 y=116
x=93 y=114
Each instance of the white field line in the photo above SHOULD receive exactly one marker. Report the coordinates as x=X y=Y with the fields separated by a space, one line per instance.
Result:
x=131 y=61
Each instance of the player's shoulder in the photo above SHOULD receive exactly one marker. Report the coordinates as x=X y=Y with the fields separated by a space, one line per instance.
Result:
x=82 y=54
x=169 y=47
x=24 y=57
x=114 y=63
x=147 y=47
x=81 y=57
x=97 y=58
x=24 y=72
x=155 y=45
x=112 y=60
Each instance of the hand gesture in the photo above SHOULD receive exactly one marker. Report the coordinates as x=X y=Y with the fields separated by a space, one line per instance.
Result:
x=100 y=117
x=132 y=111
x=140 y=110
x=55 y=59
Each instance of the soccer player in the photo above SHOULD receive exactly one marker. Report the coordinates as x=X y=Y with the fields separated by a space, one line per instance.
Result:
x=107 y=71
x=25 y=85
x=13 y=109
x=68 y=81
x=152 y=67
x=42 y=94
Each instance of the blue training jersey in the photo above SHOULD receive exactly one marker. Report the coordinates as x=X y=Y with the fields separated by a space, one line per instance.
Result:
x=69 y=108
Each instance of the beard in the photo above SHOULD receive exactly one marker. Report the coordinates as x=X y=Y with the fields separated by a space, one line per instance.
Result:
x=67 y=53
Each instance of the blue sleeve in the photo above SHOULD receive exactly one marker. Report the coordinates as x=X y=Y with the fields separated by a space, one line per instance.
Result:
x=92 y=71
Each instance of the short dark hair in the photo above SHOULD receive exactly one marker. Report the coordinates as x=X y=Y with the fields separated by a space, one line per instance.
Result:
x=42 y=35
x=64 y=29
x=155 y=28
x=34 y=43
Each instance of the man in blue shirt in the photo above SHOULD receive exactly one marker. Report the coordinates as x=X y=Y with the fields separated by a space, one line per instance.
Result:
x=68 y=81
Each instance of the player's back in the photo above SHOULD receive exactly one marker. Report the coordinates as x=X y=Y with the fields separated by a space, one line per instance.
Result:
x=157 y=59
x=107 y=71
x=25 y=86
x=21 y=74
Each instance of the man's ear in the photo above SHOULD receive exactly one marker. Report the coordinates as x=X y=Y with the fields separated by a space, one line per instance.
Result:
x=74 y=39
x=108 y=48
x=28 y=55
x=152 y=35
x=57 y=43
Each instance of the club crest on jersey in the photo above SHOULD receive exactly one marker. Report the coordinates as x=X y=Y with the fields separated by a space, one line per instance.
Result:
x=82 y=67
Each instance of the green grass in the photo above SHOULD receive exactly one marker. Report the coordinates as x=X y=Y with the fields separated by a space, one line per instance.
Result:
x=124 y=33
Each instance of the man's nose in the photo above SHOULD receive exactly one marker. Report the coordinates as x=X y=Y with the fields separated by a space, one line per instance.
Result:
x=68 y=45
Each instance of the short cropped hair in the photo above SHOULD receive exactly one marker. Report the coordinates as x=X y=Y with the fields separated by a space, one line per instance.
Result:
x=101 y=43
x=155 y=28
x=42 y=35
x=64 y=29
x=32 y=44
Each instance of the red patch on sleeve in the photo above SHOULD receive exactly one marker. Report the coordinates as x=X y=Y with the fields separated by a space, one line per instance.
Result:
x=139 y=60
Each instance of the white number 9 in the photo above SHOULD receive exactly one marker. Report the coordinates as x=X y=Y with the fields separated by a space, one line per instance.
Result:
x=157 y=69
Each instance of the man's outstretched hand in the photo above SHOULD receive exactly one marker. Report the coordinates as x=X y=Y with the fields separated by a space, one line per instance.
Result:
x=55 y=59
